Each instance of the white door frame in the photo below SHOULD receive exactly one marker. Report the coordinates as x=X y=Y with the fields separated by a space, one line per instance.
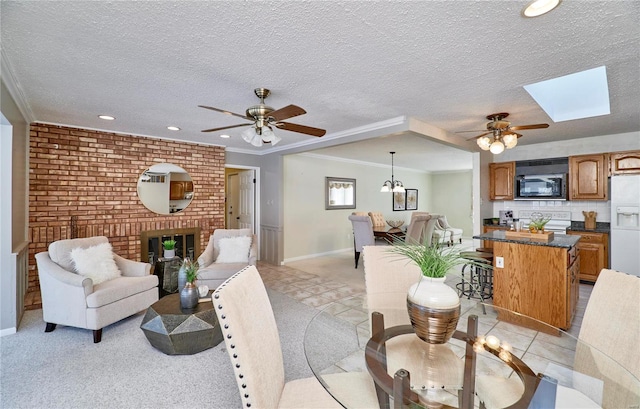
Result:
x=256 y=209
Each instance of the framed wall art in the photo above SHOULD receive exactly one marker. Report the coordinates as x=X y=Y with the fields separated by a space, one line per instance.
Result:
x=340 y=193
x=398 y=201
x=411 y=199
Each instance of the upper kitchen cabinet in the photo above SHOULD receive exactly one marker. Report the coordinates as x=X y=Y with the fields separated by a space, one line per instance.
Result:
x=625 y=163
x=588 y=177
x=501 y=177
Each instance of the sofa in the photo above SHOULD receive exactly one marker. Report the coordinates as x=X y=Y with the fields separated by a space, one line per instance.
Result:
x=228 y=251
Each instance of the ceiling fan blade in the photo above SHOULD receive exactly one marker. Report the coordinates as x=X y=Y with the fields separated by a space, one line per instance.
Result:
x=523 y=127
x=475 y=130
x=287 y=112
x=224 y=127
x=479 y=136
x=226 y=112
x=288 y=126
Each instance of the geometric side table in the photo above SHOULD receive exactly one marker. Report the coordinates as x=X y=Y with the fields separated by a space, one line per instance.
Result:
x=175 y=331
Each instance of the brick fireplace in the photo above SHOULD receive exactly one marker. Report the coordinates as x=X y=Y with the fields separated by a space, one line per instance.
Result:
x=83 y=183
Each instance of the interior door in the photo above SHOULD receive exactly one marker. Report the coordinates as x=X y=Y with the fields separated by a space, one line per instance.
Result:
x=246 y=202
x=232 y=205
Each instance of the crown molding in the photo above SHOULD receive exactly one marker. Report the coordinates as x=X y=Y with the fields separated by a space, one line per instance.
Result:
x=14 y=88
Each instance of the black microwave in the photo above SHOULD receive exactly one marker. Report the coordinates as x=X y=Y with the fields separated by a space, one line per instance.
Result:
x=541 y=187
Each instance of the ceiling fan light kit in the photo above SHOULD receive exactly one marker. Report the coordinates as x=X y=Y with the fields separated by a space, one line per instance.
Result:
x=392 y=185
x=502 y=133
x=263 y=118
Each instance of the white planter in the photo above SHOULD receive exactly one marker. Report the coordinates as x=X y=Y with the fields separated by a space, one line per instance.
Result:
x=434 y=309
x=169 y=253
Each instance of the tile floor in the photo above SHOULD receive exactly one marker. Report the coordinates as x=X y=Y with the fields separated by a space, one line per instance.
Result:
x=332 y=283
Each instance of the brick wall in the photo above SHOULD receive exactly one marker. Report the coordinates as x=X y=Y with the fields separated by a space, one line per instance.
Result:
x=93 y=175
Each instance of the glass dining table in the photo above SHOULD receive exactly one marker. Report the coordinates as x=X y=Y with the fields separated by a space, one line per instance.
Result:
x=496 y=356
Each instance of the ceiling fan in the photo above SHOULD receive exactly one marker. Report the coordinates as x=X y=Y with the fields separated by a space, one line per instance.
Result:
x=503 y=134
x=263 y=119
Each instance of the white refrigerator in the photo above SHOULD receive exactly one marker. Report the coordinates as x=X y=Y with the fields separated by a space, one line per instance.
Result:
x=625 y=224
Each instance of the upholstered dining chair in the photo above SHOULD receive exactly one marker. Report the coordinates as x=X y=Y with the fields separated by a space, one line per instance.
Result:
x=362 y=234
x=252 y=341
x=377 y=219
x=416 y=228
x=429 y=230
x=610 y=326
x=388 y=277
x=76 y=292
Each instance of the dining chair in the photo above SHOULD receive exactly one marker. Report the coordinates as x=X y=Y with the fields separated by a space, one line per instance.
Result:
x=609 y=331
x=415 y=230
x=377 y=219
x=251 y=338
x=429 y=229
x=362 y=234
x=388 y=276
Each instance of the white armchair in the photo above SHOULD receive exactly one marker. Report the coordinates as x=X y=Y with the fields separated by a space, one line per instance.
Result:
x=237 y=254
x=456 y=234
x=71 y=299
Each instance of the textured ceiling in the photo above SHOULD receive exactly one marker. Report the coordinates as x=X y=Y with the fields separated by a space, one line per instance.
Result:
x=348 y=64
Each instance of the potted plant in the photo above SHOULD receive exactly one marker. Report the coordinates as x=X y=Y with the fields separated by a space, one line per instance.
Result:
x=433 y=306
x=189 y=293
x=169 y=248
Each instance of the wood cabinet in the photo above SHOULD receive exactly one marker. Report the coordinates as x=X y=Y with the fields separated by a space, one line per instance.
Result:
x=594 y=253
x=625 y=163
x=177 y=189
x=501 y=178
x=537 y=281
x=588 y=177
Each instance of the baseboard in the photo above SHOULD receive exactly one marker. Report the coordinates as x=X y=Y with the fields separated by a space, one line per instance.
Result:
x=308 y=256
x=7 y=331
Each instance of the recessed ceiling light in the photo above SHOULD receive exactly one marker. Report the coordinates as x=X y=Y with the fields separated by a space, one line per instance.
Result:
x=107 y=117
x=539 y=7
x=173 y=128
x=224 y=135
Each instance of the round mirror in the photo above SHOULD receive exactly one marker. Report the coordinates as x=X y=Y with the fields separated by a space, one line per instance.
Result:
x=165 y=188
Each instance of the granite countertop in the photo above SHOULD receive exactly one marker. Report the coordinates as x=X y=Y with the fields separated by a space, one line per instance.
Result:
x=601 y=227
x=559 y=240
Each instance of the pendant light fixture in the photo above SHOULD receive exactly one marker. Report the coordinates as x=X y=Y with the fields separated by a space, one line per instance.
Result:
x=392 y=185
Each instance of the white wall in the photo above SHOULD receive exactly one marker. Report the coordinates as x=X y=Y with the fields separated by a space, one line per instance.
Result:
x=309 y=229
x=451 y=195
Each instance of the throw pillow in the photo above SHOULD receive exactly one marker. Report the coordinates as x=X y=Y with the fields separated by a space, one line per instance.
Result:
x=234 y=249
x=95 y=262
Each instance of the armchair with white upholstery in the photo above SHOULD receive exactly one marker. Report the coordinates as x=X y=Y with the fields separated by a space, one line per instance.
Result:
x=455 y=233
x=75 y=300
x=228 y=251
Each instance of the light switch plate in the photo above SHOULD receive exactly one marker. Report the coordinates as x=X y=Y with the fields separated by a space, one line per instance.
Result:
x=500 y=262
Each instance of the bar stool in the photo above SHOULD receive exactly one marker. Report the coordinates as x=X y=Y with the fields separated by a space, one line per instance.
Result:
x=476 y=280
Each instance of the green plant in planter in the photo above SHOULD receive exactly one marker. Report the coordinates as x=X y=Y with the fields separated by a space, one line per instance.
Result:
x=434 y=261
x=169 y=244
x=191 y=270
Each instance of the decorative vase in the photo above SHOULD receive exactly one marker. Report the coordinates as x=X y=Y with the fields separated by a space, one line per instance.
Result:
x=182 y=275
x=189 y=296
x=169 y=253
x=434 y=309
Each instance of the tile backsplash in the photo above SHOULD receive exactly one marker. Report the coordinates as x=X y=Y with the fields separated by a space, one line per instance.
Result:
x=602 y=208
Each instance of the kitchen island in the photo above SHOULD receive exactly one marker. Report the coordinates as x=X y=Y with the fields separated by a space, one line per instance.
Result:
x=536 y=278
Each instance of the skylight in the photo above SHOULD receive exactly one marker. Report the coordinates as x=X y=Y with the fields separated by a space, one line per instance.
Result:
x=581 y=95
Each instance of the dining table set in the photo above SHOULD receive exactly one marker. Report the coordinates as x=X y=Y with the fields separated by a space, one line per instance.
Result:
x=495 y=356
